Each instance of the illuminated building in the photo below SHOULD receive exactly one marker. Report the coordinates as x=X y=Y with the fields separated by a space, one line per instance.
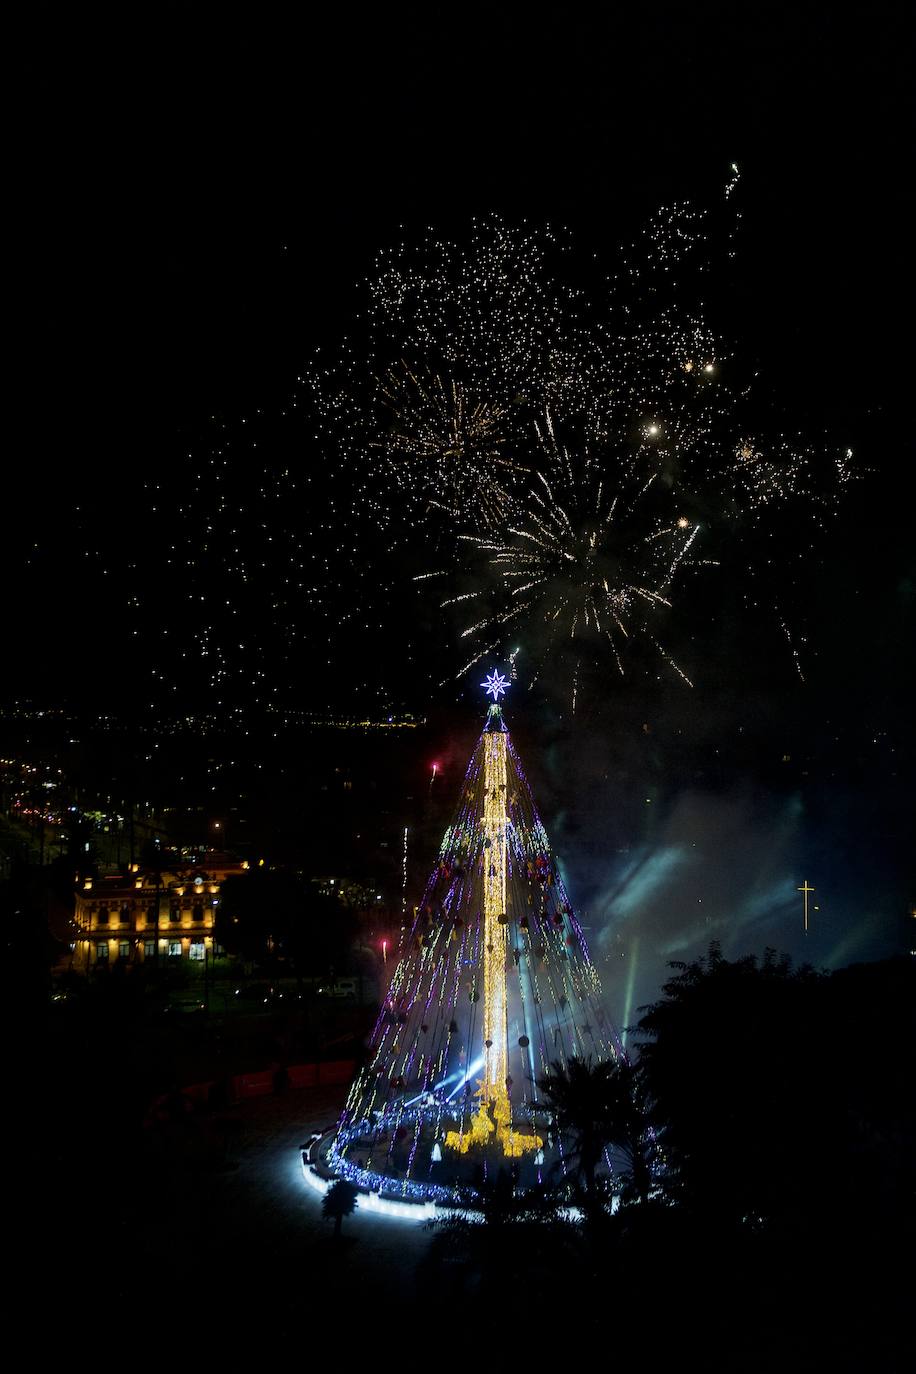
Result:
x=122 y=916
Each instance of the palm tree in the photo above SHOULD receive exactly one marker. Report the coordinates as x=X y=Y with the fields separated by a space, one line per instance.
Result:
x=339 y=1202
x=581 y=1099
x=631 y=1136
x=600 y=1106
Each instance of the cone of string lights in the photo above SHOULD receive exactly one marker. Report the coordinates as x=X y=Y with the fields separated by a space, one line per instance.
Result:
x=494 y=984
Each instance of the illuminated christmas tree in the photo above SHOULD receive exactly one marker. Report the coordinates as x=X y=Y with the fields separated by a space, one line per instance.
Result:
x=493 y=985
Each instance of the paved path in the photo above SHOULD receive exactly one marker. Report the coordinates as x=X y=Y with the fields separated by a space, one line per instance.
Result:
x=236 y=1251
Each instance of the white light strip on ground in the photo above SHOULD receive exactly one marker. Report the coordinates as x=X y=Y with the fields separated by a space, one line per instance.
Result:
x=372 y=1202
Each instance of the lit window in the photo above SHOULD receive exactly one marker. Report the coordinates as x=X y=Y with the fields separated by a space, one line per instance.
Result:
x=101 y=952
x=174 y=949
x=197 y=952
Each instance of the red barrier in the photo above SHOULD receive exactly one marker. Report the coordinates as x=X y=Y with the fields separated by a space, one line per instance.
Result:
x=337 y=1071
x=245 y=1085
x=303 y=1075
x=199 y=1093
x=242 y=1086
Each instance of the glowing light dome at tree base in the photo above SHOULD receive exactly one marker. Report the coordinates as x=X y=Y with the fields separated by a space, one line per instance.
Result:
x=493 y=986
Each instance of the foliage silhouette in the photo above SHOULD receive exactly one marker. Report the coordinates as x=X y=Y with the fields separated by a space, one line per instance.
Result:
x=508 y=1237
x=271 y=914
x=770 y=1096
x=600 y=1107
x=339 y=1202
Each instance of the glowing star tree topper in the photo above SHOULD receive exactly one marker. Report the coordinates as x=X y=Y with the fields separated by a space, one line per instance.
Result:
x=495 y=684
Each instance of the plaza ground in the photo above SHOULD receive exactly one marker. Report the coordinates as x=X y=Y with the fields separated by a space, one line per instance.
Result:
x=219 y=1242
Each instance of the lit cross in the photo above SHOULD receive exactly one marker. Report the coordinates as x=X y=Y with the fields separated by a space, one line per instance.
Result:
x=806 y=889
x=495 y=685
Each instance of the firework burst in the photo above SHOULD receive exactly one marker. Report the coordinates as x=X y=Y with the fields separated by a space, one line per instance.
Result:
x=461 y=346
x=588 y=558
x=459 y=445
x=549 y=459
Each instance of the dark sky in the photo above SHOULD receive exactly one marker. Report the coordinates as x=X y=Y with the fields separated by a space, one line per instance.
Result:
x=199 y=188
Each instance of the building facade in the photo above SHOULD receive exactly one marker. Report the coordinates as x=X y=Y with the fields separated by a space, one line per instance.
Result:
x=133 y=916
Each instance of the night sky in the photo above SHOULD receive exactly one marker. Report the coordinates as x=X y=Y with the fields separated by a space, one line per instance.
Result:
x=199 y=197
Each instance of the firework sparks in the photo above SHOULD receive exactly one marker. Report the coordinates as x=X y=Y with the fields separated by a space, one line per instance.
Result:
x=436 y=425
x=581 y=561
x=458 y=442
x=462 y=344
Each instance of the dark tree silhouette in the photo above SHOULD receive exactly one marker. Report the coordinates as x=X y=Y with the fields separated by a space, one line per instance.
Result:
x=766 y=1084
x=339 y=1202
x=507 y=1239
x=272 y=913
x=581 y=1100
x=631 y=1136
x=600 y=1106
